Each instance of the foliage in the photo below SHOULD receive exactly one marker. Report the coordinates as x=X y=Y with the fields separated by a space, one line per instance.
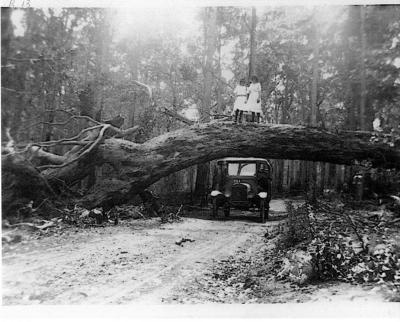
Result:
x=75 y=61
x=347 y=245
x=298 y=226
x=63 y=52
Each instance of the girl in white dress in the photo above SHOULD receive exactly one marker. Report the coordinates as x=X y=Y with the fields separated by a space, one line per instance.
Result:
x=253 y=104
x=240 y=100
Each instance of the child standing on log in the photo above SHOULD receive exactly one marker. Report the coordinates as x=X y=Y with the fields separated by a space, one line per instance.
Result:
x=253 y=104
x=240 y=100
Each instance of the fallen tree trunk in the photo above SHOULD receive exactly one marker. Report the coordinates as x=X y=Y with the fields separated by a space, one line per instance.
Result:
x=139 y=165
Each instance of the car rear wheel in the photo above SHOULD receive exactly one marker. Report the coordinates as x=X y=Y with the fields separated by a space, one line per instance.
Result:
x=214 y=212
x=263 y=211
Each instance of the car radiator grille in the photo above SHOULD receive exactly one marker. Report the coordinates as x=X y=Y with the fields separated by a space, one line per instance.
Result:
x=239 y=192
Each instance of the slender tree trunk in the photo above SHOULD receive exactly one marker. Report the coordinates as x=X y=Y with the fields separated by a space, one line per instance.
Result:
x=210 y=42
x=332 y=176
x=219 y=73
x=50 y=101
x=314 y=84
x=314 y=107
x=6 y=36
x=352 y=96
x=210 y=26
x=363 y=71
x=252 y=56
x=322 y=173
x=292 y=176
x=132 y=108
x=281 y=163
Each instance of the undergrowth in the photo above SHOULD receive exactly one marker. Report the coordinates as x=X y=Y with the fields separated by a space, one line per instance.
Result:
x=338 y=243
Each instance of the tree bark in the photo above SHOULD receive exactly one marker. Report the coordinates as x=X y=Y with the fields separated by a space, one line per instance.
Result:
x=363 y=81
x=314 y=108
x=252 y=55
x=210 y=41
x=6 y=36
x=314 y=84
x=140 y=165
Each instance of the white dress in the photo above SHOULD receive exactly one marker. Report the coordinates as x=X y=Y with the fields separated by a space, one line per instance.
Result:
x=254 y=91
x=241 y=96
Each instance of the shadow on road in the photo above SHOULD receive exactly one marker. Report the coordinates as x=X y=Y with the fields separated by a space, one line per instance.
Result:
x=236 y=215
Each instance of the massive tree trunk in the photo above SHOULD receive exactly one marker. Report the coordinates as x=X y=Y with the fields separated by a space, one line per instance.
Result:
x=139 y=165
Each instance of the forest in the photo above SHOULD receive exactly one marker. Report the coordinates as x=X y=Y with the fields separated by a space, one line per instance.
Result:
x=110 y=110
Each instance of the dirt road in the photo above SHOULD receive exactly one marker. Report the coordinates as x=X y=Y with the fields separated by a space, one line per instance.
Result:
x=138 y=262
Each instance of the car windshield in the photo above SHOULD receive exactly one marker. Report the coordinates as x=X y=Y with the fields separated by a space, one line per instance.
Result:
x=241 y=169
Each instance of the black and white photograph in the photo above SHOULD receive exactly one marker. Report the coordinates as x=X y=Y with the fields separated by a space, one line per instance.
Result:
x=202 y=159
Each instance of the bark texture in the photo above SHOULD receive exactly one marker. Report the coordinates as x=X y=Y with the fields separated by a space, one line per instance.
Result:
x=139 y=165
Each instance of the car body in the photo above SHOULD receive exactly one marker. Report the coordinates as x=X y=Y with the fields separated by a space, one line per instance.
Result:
x=242 y=183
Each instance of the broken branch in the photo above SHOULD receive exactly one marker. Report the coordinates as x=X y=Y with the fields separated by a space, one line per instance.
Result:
x=86 y=152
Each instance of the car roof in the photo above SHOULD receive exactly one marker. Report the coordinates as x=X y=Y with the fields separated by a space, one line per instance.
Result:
x=243 y=159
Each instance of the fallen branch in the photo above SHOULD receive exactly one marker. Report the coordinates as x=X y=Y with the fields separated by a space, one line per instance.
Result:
x=118 y=133
x=39 y=153
x=10 y=146
x=184 y=240
x=74 y=117
x=350 y=221
x=76 y=137
x=148 y=88
x=179 y=211
x=198 y=207
x=59 y=110
x=139 y=213
x=48 y=145
x=176 y=116
x=86 y=152
x=47 y=224
x=19 y=224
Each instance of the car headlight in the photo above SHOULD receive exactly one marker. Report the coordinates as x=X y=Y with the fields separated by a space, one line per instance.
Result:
x=263 y=195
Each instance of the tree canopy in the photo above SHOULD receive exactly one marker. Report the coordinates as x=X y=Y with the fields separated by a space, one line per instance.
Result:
x=68 y=72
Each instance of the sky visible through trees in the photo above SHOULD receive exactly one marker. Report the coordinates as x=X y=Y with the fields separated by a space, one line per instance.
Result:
x=88 y=61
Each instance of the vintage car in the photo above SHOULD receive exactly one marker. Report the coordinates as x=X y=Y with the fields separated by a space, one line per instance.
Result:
x=242 y=183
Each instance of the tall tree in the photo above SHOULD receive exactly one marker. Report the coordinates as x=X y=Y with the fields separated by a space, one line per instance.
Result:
x=314 y=106
x=315 y=72
x=252 y=53
x=363 y=80
x=219 y=89
x=7 y=68
x=210 y=46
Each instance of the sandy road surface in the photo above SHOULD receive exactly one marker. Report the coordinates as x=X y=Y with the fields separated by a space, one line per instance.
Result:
x=139 y=262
